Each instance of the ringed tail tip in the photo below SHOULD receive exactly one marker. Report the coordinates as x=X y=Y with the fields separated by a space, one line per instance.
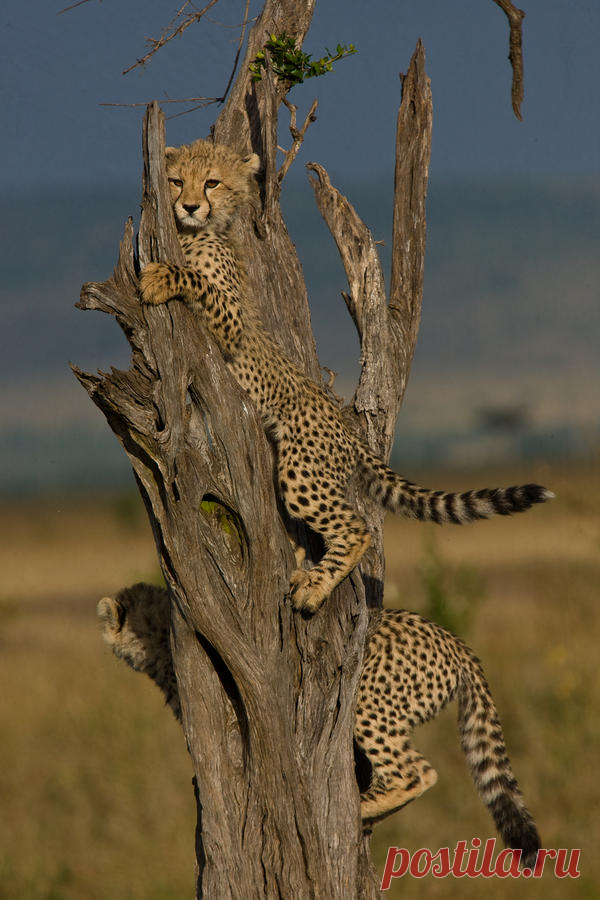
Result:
x=528 y=842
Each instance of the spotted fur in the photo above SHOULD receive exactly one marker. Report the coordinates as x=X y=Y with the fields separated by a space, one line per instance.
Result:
x=316 y=453
x=411 y=671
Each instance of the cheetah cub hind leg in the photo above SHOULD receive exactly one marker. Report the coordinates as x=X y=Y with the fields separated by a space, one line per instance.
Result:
x=395 y=783
x=309 y=589
x=344 y=548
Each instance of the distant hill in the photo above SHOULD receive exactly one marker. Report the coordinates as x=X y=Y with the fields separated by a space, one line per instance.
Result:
x=509 y=266
x=511 y=320
x=511 y=317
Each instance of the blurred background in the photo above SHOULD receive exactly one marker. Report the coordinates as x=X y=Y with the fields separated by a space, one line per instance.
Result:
x=94 y=778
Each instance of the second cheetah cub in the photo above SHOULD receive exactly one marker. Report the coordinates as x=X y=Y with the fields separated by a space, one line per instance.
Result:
x=412 y=669
x=316 y=453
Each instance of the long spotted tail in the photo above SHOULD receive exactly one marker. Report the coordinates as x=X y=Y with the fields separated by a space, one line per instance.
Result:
x=483 y=745
x=401 y=496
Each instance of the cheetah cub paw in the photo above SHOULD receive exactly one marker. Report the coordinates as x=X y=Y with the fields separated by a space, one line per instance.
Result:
x=157 y=284
x=306 y=591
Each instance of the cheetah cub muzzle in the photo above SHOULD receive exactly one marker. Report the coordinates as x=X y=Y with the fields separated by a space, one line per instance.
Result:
x=316 y=453
x=412 y=669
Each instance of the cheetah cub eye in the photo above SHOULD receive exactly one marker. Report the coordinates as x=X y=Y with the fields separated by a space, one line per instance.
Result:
x=211 y=183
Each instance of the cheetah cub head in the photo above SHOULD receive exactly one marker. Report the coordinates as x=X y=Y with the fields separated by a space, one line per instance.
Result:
x=209 y=182
x=135 y=624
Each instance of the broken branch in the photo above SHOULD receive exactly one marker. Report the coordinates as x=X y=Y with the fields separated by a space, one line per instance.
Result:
x=515 y=18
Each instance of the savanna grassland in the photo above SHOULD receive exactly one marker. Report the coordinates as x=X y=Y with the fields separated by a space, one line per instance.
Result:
x=95 y=783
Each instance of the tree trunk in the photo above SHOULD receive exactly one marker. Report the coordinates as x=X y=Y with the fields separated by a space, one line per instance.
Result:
x=268 y=697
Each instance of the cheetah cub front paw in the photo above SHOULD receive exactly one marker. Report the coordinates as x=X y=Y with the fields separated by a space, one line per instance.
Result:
x=157 y=284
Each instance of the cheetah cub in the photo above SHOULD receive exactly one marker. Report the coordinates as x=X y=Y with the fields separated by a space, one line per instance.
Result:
x=316 y=453
x=412 y=670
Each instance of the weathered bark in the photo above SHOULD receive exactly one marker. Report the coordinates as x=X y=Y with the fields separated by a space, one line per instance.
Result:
x=267 y=696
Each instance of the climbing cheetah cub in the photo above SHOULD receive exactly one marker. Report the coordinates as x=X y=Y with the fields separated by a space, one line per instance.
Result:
x=316 y=453
x=412 y=669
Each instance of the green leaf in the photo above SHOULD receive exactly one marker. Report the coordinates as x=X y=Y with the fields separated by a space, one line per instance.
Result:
x=291 y=63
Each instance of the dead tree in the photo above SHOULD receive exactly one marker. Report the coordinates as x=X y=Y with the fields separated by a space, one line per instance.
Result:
x=267 y=696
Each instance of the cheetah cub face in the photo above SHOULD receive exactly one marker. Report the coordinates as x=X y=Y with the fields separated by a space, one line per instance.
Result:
x=208 y=182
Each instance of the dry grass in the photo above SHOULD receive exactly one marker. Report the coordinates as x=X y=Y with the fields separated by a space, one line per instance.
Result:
x=94 y=777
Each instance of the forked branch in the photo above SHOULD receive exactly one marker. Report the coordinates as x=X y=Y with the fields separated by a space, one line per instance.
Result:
x=297 y=135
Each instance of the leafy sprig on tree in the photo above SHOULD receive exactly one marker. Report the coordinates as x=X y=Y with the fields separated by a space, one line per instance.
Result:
x=291 y=63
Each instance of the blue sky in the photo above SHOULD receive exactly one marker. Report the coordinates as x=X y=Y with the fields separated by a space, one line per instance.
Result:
x=56 y=70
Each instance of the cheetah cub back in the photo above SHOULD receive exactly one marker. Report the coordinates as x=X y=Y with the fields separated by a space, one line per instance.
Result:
x=316 y=453
x=412 y=669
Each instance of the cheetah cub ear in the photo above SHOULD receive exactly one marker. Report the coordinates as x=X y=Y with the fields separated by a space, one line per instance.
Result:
x=170 y=152
x=111 y=614
x=251 y=164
